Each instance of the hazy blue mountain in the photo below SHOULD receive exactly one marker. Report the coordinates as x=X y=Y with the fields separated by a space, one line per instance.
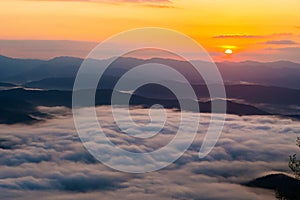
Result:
x=66 y=83
x=7 y=84
x=13 y=67
x=57 y=67
x=281 y=73
x=52 y=84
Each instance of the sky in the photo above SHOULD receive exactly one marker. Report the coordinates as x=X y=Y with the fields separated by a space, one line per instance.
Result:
x=254 y=30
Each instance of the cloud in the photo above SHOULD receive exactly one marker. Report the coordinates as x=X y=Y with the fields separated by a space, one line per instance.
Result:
x=144 y=3
x=158 y=6
x=117 y=1
x=45 y=49
x=281 y=42
x=49 y=160
x=238 y=36
x=252 y=36
x=271 y=54
x=76 y=178
x=282 y=34
x=291 y=50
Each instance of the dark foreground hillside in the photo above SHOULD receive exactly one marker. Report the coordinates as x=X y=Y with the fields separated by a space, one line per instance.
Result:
x=285 y=187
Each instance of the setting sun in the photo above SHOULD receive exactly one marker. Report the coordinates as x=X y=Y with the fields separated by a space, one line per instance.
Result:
x=228 y=51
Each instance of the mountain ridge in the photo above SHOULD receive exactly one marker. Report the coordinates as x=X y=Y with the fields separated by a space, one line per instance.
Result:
x=278 y=73
x=27 y=102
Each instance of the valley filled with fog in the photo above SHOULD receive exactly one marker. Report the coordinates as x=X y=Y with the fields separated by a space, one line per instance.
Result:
x=47 y=159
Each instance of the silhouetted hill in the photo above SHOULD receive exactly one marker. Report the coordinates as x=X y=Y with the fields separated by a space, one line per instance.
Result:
x=272 y=99
x=264 y=94
x=285 y=187
x=248 y=93
x=19 y=105
x=16 y=110
x=7 y=84
x=52 y=84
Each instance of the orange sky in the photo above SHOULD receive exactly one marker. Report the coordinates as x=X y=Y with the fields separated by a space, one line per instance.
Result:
x=250 y=28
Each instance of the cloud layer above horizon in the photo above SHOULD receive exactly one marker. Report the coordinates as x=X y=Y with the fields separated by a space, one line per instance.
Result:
x=147 y=2
x=284 y=49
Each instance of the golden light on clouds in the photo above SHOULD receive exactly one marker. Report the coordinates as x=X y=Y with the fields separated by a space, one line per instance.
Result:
x=217 y=25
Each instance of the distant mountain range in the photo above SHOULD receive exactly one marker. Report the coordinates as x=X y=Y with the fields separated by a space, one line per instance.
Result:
x=281 y=73
x=55 y=78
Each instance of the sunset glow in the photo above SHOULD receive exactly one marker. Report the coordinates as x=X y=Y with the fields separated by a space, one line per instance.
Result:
x=249 y=30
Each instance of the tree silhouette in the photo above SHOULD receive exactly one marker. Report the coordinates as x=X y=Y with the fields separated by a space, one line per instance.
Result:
x=292 y=191
x=294 y=163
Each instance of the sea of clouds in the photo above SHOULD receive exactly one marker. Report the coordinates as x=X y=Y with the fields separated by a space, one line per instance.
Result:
x=48 y=161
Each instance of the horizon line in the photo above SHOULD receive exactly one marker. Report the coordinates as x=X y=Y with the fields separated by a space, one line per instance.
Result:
x=108 y=58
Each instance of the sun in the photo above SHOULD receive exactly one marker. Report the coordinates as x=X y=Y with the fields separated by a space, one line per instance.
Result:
x=228 y=52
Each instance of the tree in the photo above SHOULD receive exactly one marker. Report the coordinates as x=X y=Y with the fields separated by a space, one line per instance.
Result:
x=294 y=163
x=291 y=191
